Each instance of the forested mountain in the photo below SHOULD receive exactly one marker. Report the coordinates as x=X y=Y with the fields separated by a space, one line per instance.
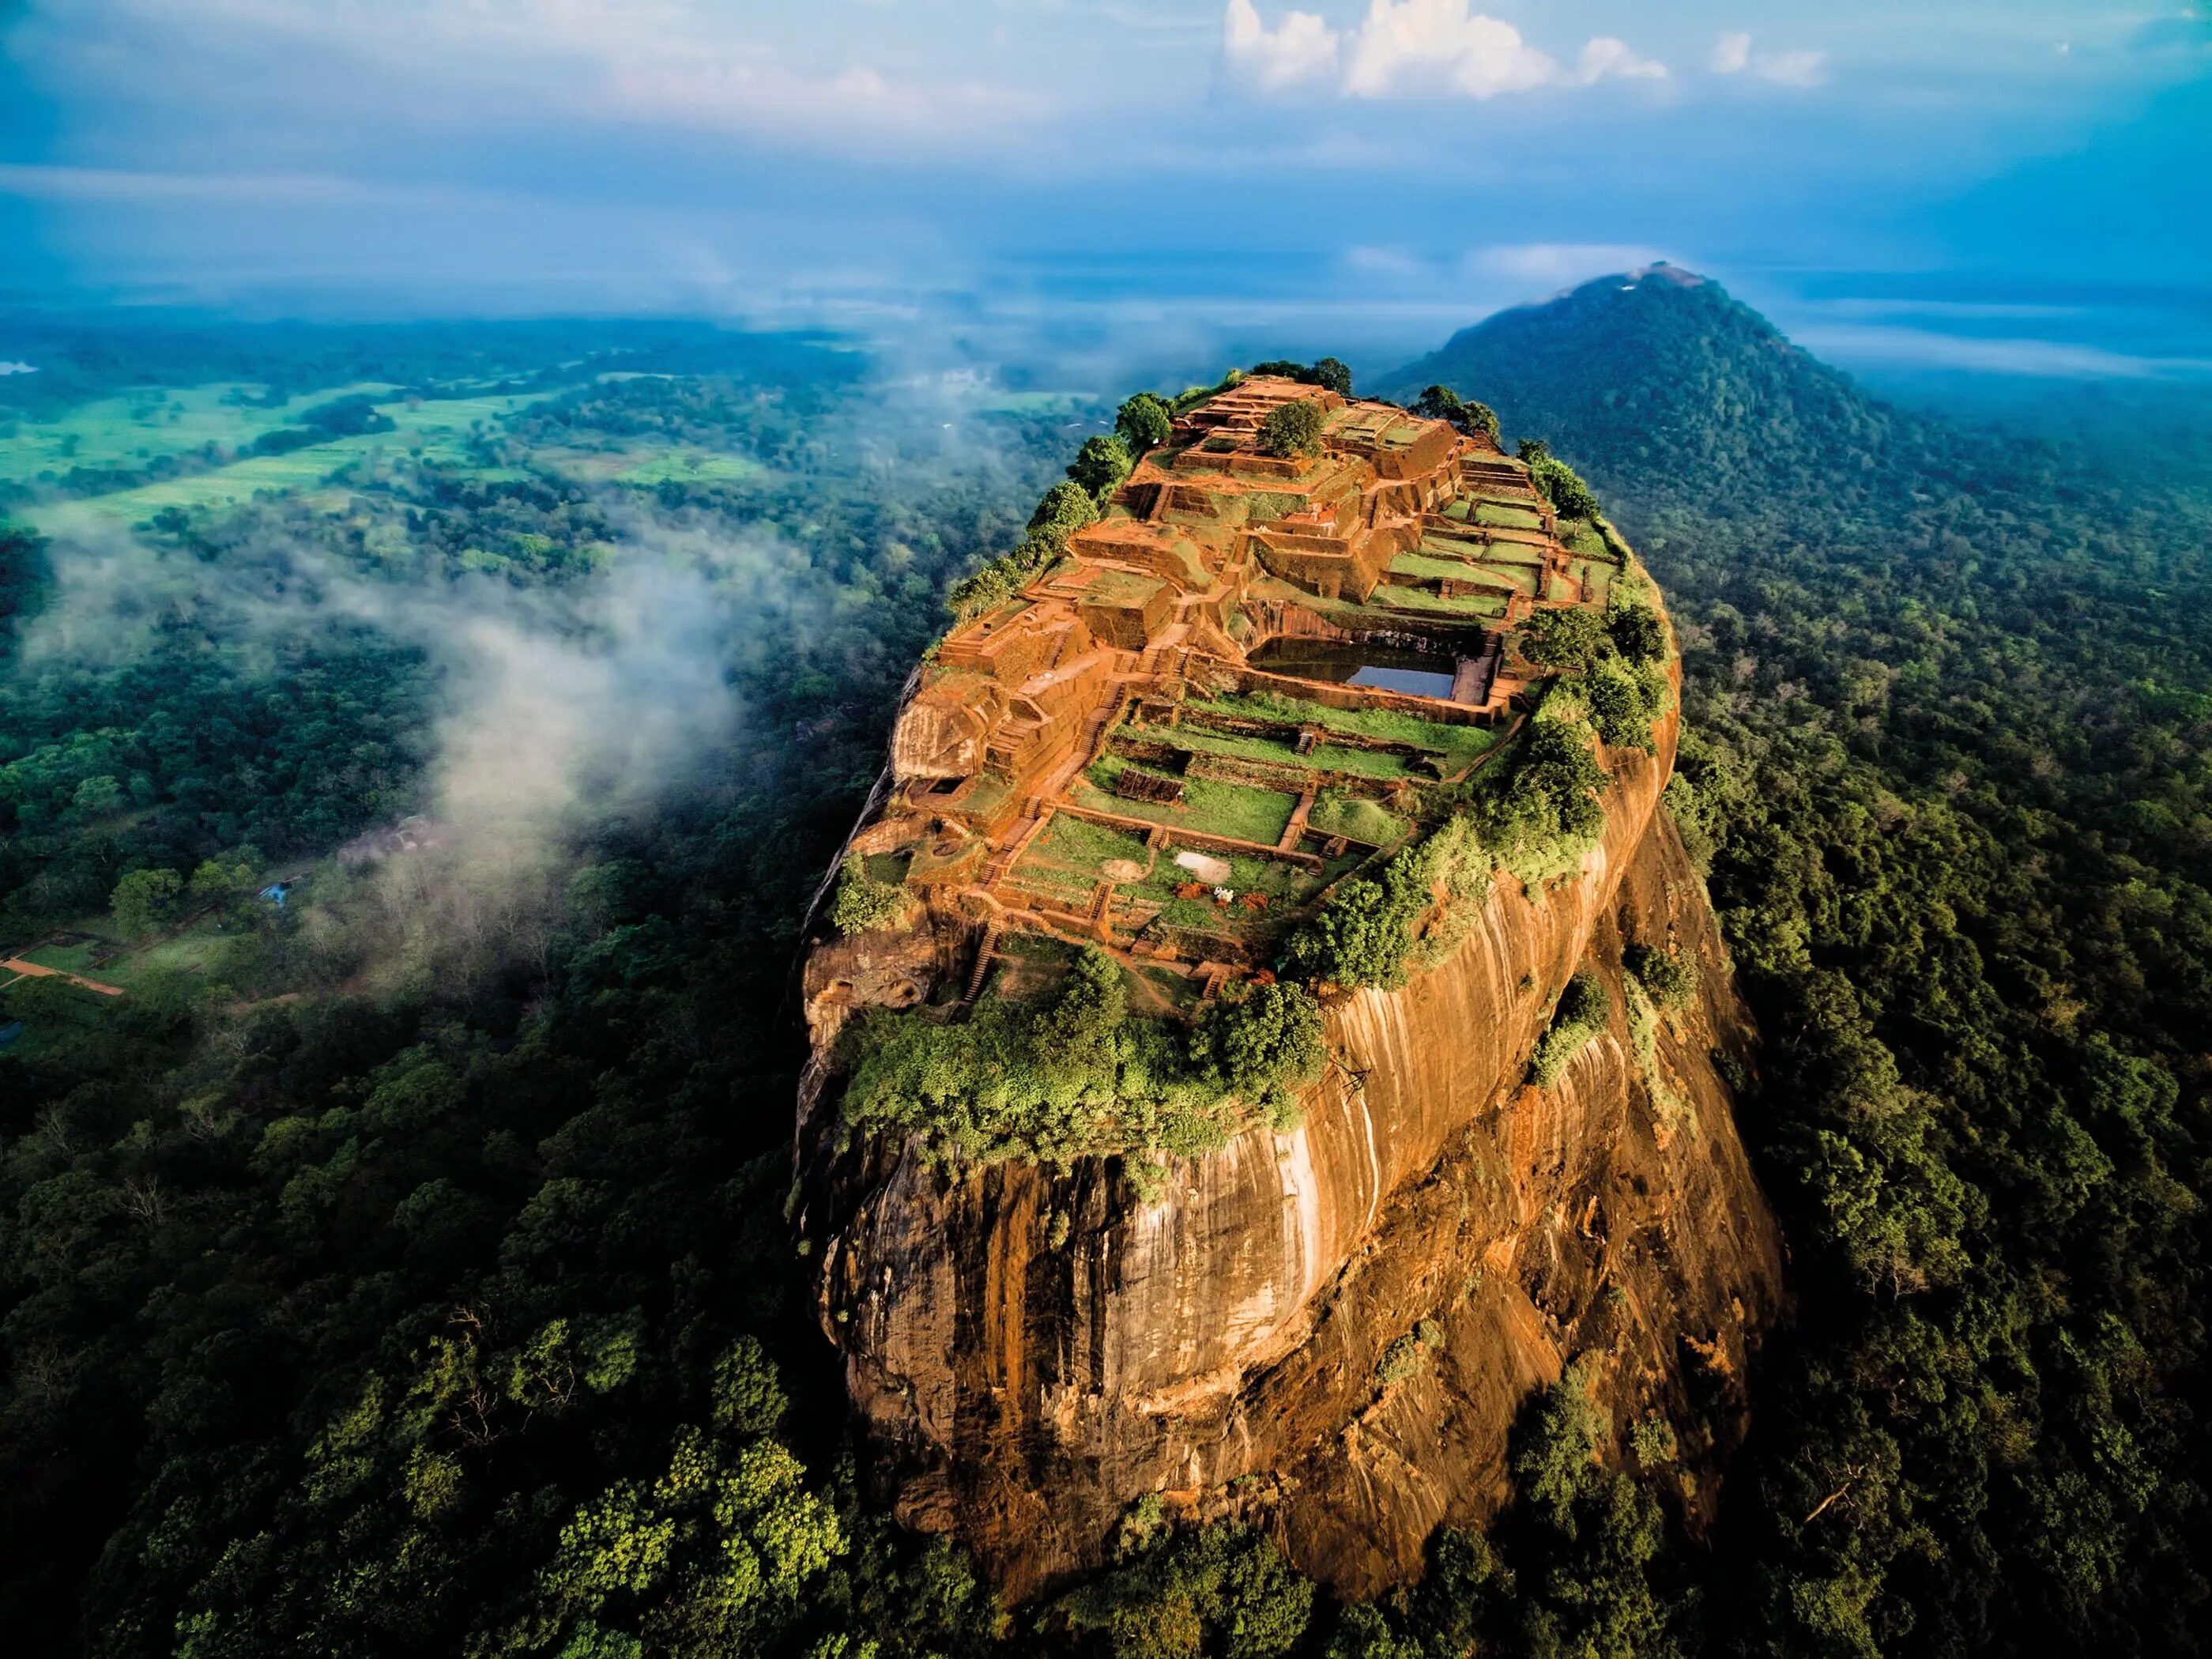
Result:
x=383 y=1294
x=1948 y=718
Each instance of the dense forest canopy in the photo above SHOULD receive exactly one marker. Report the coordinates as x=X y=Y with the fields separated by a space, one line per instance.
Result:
x=401 y=1268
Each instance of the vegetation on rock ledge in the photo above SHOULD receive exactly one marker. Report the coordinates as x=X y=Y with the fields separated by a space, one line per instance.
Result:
x=1073 y=1074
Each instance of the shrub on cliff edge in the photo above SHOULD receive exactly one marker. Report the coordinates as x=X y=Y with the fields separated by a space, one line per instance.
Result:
x=1073 y=1074
x=1582 y=1011
x=865 y=905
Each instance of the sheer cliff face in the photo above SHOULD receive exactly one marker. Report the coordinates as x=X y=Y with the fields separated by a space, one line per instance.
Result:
x=1329 y=1331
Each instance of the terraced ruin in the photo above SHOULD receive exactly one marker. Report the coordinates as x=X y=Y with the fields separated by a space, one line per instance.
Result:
x=1251 y=677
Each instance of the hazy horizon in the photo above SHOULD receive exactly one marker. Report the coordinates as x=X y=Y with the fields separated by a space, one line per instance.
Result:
x=2000 y=190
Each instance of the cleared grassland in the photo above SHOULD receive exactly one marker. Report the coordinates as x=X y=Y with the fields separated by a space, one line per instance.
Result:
x=133 y=429
x=434 y=429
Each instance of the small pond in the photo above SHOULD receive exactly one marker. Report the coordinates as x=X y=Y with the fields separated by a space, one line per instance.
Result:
x=1354 y=662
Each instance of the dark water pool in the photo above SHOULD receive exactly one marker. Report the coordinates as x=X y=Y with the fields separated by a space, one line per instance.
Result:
x=1386 y=668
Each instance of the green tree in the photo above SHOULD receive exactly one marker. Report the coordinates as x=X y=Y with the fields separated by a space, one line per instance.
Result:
x=1582 y=1014
x=1215 y=1592
x=864 y=905
x=1292 y=430
x=97 y=796
x=1668 y=981
x=1262 y=1044
x=1439 y=403
x=1356 y=938
x=145 y=899
x=1589 y=1542
x=1638 y=634
x=1065 y=509
x=1101 y=464
x=222 y=881
x=1563 y=487
x=1144 y=421
x=1331 y=375
x=1570 y=637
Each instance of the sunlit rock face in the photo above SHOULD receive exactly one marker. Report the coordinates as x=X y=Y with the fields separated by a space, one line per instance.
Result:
x=1034 y=1349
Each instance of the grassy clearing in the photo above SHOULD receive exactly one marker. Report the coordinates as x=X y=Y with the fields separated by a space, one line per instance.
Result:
x=130 y=430
x=435 y=430
x=1207 y=808
x=1422 y=602
x=1069 y=856
x=1325 y=758
x=1458 y=744
x=1431 y=567
x=1335 y=814
x=201 y=949
x=1597 y=574
x=687 y=467
x=1513 y=553
x=1506 y=517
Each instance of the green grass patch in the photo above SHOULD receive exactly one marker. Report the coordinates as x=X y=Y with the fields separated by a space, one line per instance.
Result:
x=686 y=466
x=133 y=429
x=1207 y=808
x=1457 y=743
x=201 y=949
x=1433 y=567
x=1416 y=600
x=1506 y=517
x=1338 y=814
x=437 y=430
x=1511 y=575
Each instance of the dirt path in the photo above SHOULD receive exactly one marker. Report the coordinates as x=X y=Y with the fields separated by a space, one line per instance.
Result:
x=24 y=969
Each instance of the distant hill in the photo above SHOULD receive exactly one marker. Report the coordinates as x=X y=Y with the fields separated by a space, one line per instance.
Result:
x=1659 y=375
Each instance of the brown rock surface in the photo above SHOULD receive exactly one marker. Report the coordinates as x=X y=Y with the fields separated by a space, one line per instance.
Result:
x=1036 y=1349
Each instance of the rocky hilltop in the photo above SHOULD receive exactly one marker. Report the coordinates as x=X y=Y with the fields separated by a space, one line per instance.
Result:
x=1275 y=1027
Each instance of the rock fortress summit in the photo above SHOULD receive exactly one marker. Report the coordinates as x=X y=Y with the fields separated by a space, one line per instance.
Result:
x=1270 y=1028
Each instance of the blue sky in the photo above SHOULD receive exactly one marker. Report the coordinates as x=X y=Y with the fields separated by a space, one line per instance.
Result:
x=1989 y=178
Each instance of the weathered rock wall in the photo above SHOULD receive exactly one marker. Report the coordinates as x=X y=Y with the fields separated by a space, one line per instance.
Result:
x=1035 y=1350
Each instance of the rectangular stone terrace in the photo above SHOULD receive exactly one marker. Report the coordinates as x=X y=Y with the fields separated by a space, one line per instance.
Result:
x=1251 y=677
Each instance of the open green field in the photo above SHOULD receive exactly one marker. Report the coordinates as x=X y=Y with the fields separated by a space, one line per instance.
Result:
x=199 y=948
x=685 y=466
x=435 y=430
x=133 y=429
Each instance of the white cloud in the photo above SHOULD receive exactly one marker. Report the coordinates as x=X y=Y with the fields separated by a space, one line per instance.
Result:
x=138 y=187
x=1412 y=48
x=1557 y=264
x=1732 y=55
x=1390 y=262
x=1301 y=48
x=1793 y=68
x=682 y=63
x=1927 y=349
x=1606 y=58
x=1431 y=45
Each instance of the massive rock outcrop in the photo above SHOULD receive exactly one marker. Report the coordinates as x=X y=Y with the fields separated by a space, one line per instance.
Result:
x=1327 y=1331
